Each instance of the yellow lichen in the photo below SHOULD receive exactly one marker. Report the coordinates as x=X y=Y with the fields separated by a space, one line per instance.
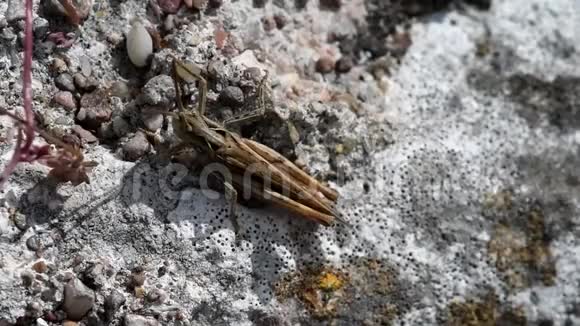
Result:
x=330 y=281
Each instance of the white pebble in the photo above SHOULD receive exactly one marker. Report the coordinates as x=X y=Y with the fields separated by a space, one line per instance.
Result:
x=139 y=44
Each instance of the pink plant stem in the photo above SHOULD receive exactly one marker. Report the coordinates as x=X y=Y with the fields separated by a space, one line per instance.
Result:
x=22 y=152
x=27 y=77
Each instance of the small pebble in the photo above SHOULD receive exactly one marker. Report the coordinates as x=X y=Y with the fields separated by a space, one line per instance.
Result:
x=232 y=96
x=214 y=4
x=15 y=10
x=94 y=275
x=114 y=38
x=95 y=110
x=139 y=44
x=58 y=65
x=259 y=3
x=40 y=27
x=86 y=66
x=159 y=91
x=253 y=73
x=40 y=266
x=333 y=5
x=196 y=4
x=65 y=82
x=169 y=23
x=152 y=120
x=34 y=310
x=78 y=299
x=120 y=89
x=269 y=23
x=19 y=221
x=136 y=320
x=169 y=6
x=87 y=84
x=69 y=323
x=156 y=296
x=27 y=278
x=324 y=65
x=344 y=64
x=84 y=135
x=33 y=243
x=281 y=21
x=66 y=99
x=137 y=279
x=139 y=292
x=136 y=147
x=120 y=126
x=113 y=302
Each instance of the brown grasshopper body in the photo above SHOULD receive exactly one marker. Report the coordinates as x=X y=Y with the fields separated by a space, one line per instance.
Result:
x=254 y=167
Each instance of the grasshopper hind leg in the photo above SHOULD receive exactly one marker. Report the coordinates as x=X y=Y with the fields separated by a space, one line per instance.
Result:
x=231 y=195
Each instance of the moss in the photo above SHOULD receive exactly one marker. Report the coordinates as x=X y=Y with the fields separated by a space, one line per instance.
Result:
x=521 y=253
x=368 y=292
x=485 y=311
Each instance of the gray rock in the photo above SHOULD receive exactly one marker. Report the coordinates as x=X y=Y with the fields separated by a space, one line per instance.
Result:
x=33 y=310
x=232 y=96
x=66 y=100
x=156 y=296
x=27 y=278
x=65 y=82
x=54 y=7
x=95 y=275
x=7 y=34
x=152 y=119
x=136 y=147
x=86 y=84
x=120 y=89
x=19 y=221
x=95 y=109
x=85 y=135
x=136 y=320
x=159 y=91
x=78 y=299
x=15 y=10
x=33 y=243
x=120 y=126
x=40 y=27
x=113 y=302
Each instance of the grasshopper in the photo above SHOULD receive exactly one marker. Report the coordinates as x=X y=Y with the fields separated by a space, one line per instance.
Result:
x=255 y=168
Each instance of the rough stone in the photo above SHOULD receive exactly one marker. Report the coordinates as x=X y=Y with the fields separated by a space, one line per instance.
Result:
x=78 y=299
x=136 y=320
x=113 y=303
x=15 y=10
x=136 y=147
x=325 y=65
x=159 y=91
x=65 y=82
x=169 y=6
x=85 y=135
x=66 y=100
x=86 y=84
x=232 y=96
x=95 y=110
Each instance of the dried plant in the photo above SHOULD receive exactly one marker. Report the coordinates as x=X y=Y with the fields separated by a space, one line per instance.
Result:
x=67 y=161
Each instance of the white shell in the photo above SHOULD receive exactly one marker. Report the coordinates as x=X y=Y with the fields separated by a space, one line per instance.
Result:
x=139 y=44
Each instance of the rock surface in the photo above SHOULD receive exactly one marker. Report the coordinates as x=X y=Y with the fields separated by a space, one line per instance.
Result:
x=453 y=144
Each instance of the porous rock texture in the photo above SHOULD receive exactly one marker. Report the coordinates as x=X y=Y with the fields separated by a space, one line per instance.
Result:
x=453 y=141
